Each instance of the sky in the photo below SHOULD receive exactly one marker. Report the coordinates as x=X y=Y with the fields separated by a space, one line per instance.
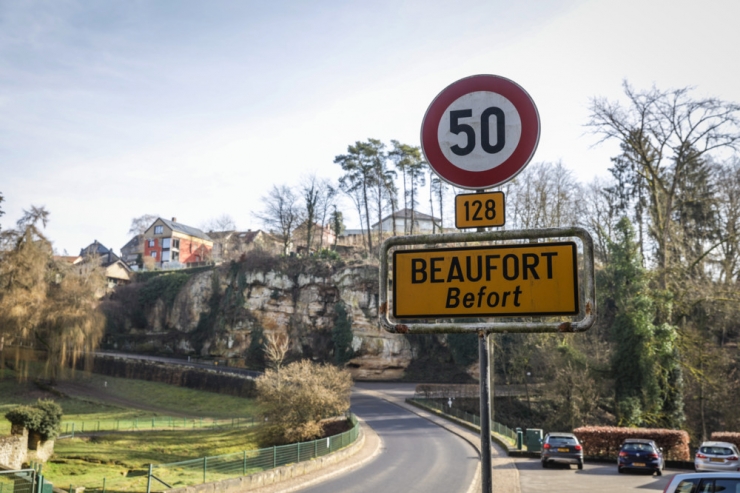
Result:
x=114 y=109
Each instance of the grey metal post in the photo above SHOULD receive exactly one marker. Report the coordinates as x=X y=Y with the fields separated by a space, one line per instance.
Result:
x=485 y=414
x=491 y=373
x=149 y=480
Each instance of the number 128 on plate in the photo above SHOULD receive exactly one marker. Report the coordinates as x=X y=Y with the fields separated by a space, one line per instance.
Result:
x=479 y=210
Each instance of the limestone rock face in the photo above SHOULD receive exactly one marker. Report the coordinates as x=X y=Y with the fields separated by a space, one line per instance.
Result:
x=302 y=306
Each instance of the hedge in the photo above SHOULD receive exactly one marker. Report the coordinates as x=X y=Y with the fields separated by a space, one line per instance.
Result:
x=605 y=441
x=44 y=417
x=727 y=436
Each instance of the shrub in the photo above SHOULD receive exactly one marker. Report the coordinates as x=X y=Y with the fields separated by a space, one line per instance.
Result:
x=341 y=336
x=298 y=397
x=727 y=436
x=27 y=416
x=44 y=417
x=605 y=441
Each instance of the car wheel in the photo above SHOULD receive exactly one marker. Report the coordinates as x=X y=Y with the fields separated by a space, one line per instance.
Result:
x=620 y=470
x=544 y=464
x=580 y=466
x=658 y=472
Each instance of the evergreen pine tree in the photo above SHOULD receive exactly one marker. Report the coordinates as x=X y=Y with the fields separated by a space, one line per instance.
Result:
x=648 y=383
x=341 y=336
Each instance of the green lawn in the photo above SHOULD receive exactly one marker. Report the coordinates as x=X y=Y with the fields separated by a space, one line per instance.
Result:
x=121 y=457
x=168 y=399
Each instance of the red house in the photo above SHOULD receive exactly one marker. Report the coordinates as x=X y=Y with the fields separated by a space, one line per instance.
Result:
x=169 y=242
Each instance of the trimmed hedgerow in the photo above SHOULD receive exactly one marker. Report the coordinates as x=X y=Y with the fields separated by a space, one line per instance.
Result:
x=727 y=436
x=605 y=441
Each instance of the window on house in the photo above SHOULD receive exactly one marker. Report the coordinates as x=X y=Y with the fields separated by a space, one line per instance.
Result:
x=158 y=230
x=154 y=254
x=176 y=243
x=175 y=256
x=152 y=243
x=166 y=242
x=165 y=256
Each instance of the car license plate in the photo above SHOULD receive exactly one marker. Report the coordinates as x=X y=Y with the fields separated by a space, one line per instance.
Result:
x=714 y=459
x=638 y=464
x=563 y=449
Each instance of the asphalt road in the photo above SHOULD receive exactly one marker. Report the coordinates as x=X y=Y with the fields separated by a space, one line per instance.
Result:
x=601 y=478
x=417 y=456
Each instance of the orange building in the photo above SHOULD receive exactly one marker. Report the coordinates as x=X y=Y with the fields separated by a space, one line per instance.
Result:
x=168 y=242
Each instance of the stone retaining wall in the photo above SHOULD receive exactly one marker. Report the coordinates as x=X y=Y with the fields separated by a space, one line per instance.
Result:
x=14 y=447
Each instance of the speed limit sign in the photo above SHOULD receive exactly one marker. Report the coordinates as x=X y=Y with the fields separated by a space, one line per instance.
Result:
x=480 y=131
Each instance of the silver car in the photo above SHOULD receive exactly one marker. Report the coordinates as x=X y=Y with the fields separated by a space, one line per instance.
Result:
x=717 y=456
x=728 y=482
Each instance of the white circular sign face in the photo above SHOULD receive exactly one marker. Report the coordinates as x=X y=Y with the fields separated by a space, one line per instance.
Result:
x=479 y=131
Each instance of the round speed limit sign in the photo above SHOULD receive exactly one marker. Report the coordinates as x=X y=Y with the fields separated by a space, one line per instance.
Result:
x=480 y=131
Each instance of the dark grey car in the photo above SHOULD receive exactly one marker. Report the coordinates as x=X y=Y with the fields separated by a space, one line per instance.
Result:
x=563 y=448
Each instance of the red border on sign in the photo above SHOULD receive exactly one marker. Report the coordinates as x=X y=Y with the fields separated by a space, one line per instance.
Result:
x=505 y=171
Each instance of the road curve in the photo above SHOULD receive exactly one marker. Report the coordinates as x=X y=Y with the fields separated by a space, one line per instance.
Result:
x=417 y=455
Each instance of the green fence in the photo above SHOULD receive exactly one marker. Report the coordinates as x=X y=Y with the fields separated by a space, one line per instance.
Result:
x=69 y=428
x=22 y=481
x=162 y=477
x=502 y=430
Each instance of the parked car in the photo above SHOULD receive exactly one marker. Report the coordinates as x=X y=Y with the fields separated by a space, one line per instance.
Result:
x=640 y=454
x=563 y=448
x=727 y=482
x=717 y=456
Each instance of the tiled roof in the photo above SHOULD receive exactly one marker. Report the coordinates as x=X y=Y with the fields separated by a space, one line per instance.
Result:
x=406 y=213
x=188 y=230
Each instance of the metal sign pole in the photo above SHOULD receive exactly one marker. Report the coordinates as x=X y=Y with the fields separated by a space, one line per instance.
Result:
x=485 y=406
x=485 y=414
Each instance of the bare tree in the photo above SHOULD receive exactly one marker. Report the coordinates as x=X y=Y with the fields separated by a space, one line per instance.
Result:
x=281 y=213
x=276 y=348
x=140 y=224
x=317 y=196
x=224 y=222
x=666 y=136
x=544 y=195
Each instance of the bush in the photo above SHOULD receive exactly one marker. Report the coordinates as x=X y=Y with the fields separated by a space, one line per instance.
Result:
x=605 y=441
x=298 y=397
x=727 y=436
x=44 y=418
x=27 y=416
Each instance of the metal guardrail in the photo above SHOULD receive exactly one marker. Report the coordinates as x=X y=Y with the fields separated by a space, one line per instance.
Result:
x=70 y=428
x=163 y=477
x=502 y=430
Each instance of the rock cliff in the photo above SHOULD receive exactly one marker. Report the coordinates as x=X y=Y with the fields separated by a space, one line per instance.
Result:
x=216 y=312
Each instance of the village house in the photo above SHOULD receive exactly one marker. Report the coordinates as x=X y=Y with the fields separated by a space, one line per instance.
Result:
x=117 y=271
x=171 y=244
x=405 y=218
x=230 y=245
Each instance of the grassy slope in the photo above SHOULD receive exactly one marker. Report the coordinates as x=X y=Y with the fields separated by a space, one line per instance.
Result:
x=85 y=461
